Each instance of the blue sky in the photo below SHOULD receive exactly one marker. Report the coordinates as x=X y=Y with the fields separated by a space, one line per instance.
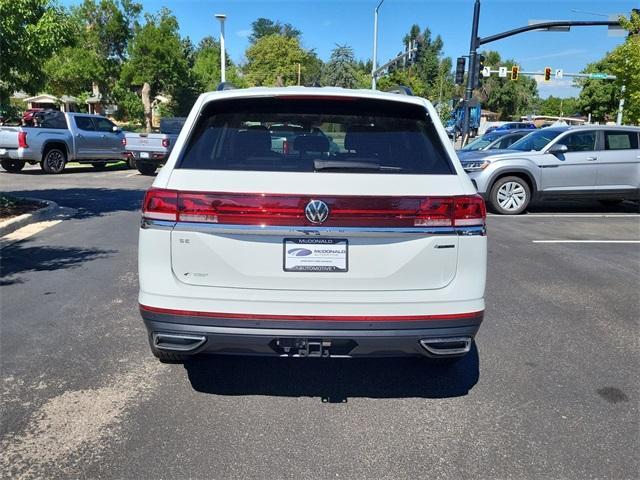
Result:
x=329 y=22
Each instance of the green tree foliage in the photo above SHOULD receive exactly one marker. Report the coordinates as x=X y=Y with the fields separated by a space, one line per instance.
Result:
x=206 y=66
x=156 y=56
x=102 y=31
x=273 y=58
x=599 y=97
x=263 y=27
x=341 y=70
x=556 y=107
x=30 y=30
x=502 y=95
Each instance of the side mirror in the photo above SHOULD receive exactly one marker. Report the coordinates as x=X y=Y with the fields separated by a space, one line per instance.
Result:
x=116 y=129
x=558 y=148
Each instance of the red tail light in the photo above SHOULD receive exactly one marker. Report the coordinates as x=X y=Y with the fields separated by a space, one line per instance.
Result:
x=285 y=147
x=124 y=141
x=22 y=140
x=165 y=142
x=289 y=210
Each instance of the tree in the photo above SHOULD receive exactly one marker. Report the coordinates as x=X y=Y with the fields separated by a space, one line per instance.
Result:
x=273 y=58
x=30 y=30
x=156 y=60
x=504 y=96
x=599 y=97
x=206 y=66
x=557 y=107
x=263 y=27
x=341 y=70
x=102 y=31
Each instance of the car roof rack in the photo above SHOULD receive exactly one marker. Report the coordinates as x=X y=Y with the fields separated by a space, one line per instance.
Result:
x=225 y=86
x=401 y=90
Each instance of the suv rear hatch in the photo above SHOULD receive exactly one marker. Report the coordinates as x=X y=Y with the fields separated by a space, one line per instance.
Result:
x=379 y=214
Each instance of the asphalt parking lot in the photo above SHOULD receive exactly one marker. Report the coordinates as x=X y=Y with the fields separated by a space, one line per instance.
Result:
x=551 y=391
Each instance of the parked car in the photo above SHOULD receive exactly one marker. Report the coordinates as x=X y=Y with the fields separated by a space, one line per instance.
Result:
x=594 y=161
x=376 y=249
x=511 y=126
x=60 y=138
x=497 y=140
x=283 y=137
x=149 y=151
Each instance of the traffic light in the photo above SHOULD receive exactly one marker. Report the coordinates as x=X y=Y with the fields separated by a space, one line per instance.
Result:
x=515 y=71
x=547 y=74
x=460 y=63
x=481 y=59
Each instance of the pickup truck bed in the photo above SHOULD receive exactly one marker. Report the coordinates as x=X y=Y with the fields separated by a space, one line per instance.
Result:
x=151 y=150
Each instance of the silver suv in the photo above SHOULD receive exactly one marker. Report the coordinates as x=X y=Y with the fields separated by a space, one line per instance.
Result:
x=594 y=161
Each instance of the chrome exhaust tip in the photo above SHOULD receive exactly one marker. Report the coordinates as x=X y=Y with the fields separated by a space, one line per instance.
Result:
x=177 y=342
x=446 y=346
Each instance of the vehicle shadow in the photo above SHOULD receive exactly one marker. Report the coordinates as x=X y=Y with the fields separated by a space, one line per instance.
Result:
x=333 y=380
x=582 y=206
x=76 y=168
x=18 y=259
x=89 y=202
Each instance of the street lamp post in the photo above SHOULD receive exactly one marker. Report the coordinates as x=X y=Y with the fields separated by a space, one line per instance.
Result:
x=223 y=63
x=375 y=45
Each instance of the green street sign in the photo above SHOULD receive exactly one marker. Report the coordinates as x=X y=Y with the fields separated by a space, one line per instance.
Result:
x=600 y=76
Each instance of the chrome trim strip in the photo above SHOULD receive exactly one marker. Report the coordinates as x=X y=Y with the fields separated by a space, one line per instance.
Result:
x=310 y=231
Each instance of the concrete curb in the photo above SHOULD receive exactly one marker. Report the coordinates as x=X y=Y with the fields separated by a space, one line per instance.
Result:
x=48 y=212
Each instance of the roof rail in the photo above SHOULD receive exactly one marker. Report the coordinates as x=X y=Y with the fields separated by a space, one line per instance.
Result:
x=401 y=90
x=225 y=86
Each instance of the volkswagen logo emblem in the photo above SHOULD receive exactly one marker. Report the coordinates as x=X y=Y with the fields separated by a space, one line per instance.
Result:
x=316 y=211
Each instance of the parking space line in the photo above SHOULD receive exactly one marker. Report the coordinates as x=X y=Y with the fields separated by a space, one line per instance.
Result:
x=586 y=241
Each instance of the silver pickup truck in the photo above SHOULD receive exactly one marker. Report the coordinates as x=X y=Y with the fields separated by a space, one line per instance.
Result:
x=60 y=138
x=148 y=151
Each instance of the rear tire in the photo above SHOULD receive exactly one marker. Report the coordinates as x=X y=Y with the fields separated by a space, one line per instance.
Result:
x=510 y=196
x=131 y=163
x=54 y=161
x=99 y=165
x=13 y=166
x=146 y=168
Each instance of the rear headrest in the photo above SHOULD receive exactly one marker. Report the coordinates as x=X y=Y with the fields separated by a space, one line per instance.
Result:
x=311 y=143
x=256 y=140
x=362 y=138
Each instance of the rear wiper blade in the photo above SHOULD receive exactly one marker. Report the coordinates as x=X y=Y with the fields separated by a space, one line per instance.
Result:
x=320 y=165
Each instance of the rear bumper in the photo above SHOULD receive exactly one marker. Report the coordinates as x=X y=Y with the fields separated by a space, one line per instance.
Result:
x=154 y=157
x=286 y=337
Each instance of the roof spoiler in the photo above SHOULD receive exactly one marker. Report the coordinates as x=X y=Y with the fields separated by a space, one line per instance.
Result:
x=401 y=90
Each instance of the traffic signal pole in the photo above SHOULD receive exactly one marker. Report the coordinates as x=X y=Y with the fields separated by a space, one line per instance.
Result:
x=476 y=42
x=471 y=81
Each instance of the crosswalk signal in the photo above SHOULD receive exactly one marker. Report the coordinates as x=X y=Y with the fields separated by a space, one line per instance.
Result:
x=547 y=74
x=515 y=71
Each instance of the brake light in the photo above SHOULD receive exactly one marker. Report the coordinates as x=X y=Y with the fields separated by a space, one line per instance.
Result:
x=124 y=141
x=289 y=210
x=165 y=142
x=22 y=140
x=160 y=204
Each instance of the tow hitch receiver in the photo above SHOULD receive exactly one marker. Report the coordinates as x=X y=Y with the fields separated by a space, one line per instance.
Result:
x=304 y=347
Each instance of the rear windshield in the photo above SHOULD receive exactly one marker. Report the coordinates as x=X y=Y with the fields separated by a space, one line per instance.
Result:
x=299 y=134
x=535 y=141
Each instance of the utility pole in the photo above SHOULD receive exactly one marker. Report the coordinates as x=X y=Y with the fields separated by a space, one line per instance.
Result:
x=375 y=45
x=223 y=61
x=621 y=105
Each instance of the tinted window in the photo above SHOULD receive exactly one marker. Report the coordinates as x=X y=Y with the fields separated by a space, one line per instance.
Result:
x=53 y=120
x=507 y=141
x=481 y=142
x=535 y=141
x=103 y=125
x=620 y=140
x=351 y=135
x=580 y=141
x=84 y=123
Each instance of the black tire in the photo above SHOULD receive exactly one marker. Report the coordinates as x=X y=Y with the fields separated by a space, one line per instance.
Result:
x=54 y=160
x=607 y=203
x=13 y=166
x=510 y=196
x=99 y=165
x=131 y=163
x=146 y=168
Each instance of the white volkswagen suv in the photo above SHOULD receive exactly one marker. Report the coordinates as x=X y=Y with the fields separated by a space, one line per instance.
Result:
x=361 y=236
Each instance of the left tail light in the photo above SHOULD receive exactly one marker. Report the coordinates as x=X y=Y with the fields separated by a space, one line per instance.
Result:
x=160 y=204
x=22 y=140
x=166 y=142
x=124 y=141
